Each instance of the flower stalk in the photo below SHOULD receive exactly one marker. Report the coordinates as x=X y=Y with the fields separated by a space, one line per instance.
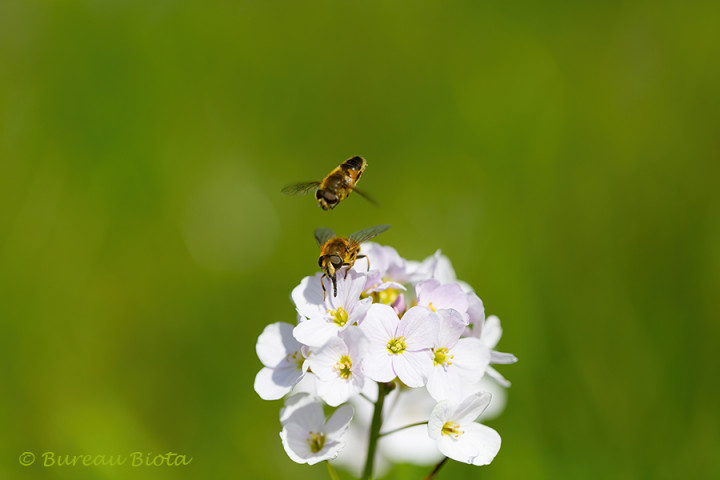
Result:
x=383 y=390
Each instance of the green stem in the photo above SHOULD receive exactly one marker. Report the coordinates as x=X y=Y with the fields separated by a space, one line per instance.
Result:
x=383 y=389
x=437 y=468
x=402 y=428
x=331 y=471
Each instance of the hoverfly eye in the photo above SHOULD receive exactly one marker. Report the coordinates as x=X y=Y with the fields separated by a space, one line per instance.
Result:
x=320 y=261
x=336 y=261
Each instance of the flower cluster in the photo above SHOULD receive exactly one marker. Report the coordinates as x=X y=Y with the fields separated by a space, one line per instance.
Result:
x=405 y=339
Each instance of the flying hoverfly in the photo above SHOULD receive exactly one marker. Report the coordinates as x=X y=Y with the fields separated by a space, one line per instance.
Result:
x=338 y=252
x=336 y=186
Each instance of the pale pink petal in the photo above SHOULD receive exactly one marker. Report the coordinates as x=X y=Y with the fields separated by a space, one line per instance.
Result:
x=451 y=326
x=419 y=326
x=413 y=368
x=380 y=324
x=476 y=315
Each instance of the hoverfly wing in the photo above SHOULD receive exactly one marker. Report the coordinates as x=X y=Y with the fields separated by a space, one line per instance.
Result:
x=322 y=235
x=302 y=188
x=367 y=233
x=365 y=196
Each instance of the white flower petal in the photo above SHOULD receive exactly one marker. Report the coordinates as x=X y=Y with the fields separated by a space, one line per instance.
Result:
x=502 y=358
x=411 y=445
x=439 y=415
x=339 y=390
x=380 y=323
x=294 y=402
x=491 y=331
x=497 y=376
x=377 y=364
x=322 y=362
x=457 y=448
x=486 y=440
x=419 y=326
x=315 y=332
x=470 y=359
x=450 y=327
x=413 y=368
x=339 y=422
x=444 y=384
x=308 y=297
x=471 y=407
x=476 y=315
x=294 y=442
x=275 y=342
x=267 y=387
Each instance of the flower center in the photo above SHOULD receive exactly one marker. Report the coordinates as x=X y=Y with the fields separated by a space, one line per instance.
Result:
x=442 y=356
x=344 y=367
x=296 y=358
x=316 y=441
x=339 y=316
x=396 y=345
x=452 y=429
x=387 y=296
x=431 y=307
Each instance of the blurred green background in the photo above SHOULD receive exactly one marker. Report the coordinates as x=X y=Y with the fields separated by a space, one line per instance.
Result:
x=564 y=155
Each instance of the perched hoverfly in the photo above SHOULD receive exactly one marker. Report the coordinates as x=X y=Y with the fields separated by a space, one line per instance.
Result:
x=338 y=252
x=334 y=188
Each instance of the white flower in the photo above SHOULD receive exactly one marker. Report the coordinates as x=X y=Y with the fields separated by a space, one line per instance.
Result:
x=305 y=435
x=327 y=315
x=435 y=296
x=457 y=435
x=455 y=361
x=399 y=347
x=489 y=331
x=338 y=367
x=437 y=267
x=283 y=361
x=410 y=445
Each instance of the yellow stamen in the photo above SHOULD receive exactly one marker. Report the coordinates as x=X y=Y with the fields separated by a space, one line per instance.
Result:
x=339 y=316
x=452 y=429
x=397 y=345
x=442 y=356
x=344 y=367
x=316 y=441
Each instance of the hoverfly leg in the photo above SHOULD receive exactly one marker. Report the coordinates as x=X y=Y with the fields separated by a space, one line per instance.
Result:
x=322 y=284
x=334 y=281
